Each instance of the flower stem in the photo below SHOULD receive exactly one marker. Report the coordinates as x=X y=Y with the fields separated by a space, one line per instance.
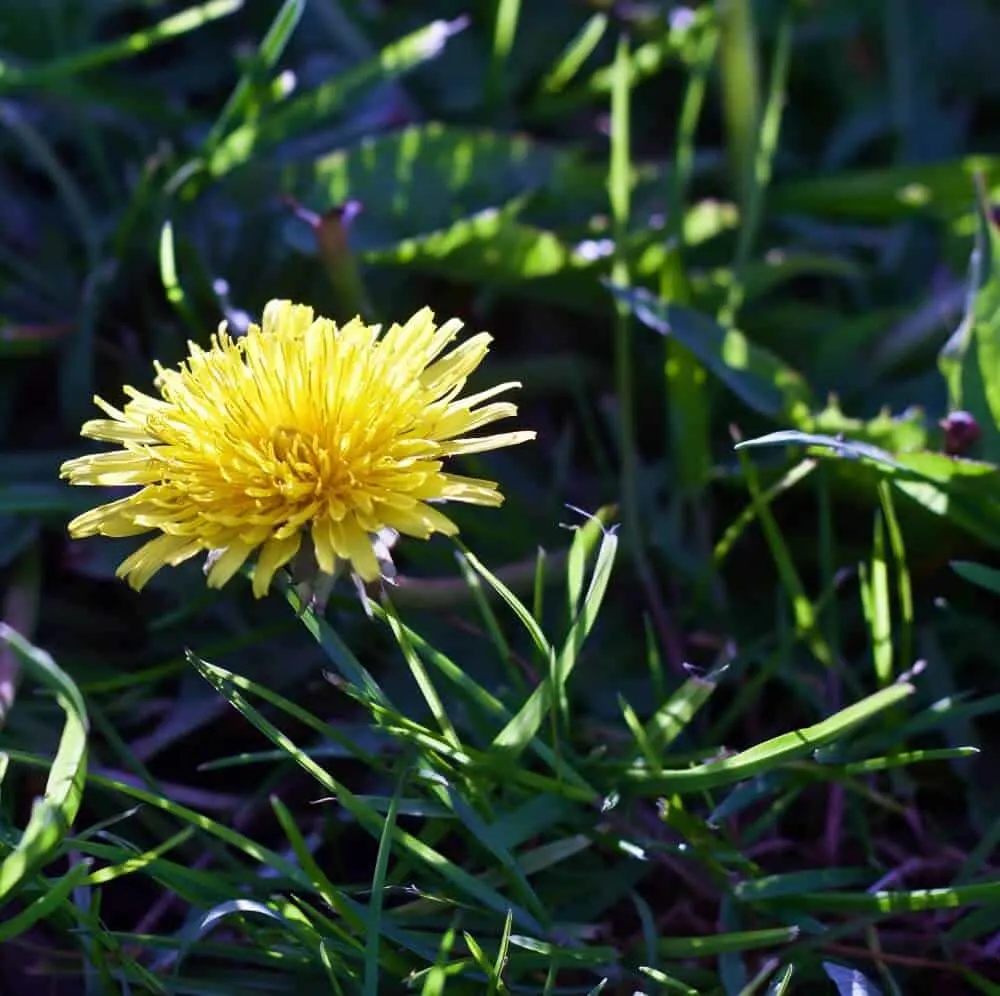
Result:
x=331 y=230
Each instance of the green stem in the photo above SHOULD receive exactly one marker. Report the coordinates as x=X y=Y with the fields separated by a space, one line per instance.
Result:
x=741 y=100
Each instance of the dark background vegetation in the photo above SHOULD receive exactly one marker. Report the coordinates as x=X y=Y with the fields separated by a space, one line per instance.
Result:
x=683 y=226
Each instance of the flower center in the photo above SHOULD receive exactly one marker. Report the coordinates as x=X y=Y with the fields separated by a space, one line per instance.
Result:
x=301 y=466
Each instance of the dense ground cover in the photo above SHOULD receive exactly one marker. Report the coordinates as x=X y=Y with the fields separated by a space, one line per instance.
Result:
x=681 y=716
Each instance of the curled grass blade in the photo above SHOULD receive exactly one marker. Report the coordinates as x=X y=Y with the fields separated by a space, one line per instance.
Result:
x=53 y=814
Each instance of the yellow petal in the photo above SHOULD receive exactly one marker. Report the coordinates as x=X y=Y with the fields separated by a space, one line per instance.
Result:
x=479 y=444
x=275 y=553
x=357 y=548
x=457 y=365
x=227 y=563
x=326 y=553
x=115 y=469
x=420 y=521
x=114 y=431
x=157 y=553
x=460 y=420
x=114 y=519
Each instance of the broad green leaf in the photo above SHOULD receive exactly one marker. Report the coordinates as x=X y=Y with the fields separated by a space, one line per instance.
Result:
x=754 y=374
x=886 y=194
x=980 y=574
x=970 y=360
x=965 y=491
x=896 y=433
x=424 y=178
x=499 y=248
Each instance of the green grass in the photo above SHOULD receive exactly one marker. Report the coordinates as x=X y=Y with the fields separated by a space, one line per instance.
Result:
x=728 y=731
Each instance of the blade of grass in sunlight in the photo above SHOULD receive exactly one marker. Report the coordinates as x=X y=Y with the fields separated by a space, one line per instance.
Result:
x=57 y=894
x=741 y=92
x=619 y=199
x=294 y=115
x=240 y=105
x=504 y=31
x=875 y=600
x=169 y=276
x=575 y=54
x=761 y=145
x=16 y=77
x=523 y=727
x=806 y=618
x=749 y=940
x=687 y=394
x=770 y=753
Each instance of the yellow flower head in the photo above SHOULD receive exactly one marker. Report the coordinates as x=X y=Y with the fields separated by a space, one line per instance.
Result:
x=301 y=425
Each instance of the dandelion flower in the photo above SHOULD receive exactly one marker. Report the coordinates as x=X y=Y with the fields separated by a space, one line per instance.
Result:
x=301 y=426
